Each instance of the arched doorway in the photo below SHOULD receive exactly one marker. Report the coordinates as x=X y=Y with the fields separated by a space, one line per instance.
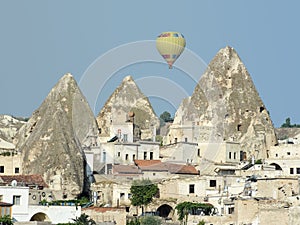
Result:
x=277 y=167
x=40 y=217
x=164 y=210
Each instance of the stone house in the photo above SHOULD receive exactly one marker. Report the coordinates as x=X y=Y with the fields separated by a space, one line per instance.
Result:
x=285 y=158
x=24 y=192
x=107 y=215
x=10 y=159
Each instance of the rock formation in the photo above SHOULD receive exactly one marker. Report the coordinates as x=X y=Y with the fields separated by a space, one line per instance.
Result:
x=125 y=99
x=9 y=127
x=225 y=106
x=51 y=141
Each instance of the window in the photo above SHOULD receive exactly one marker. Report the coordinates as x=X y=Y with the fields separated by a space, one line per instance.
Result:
x=151 y=155
x=276 y=155
x=212 y=183
x=185 y=139
x=230 y=210
x=16 y=199
x=129 y=195
x=192 y=188
x=288 y=153
x=234 y=155
x=104 y=156
x=17 y=170
x=298 y=170
x=133 y=157
x=5 y=211
x=239 y=127
x=126 y=157
x=125 y=137
x=241 y=155
x=291 y=170
x=175 y=140
x=198 y=152
x=145 y=155
x=1 y=169
x=119 y=154
x=122 y=195
x=229 y=155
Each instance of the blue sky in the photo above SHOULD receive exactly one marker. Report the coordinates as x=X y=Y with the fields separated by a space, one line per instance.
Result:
x=42 y=40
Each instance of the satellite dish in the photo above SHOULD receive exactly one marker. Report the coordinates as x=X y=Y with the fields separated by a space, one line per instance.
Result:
x=14 y=183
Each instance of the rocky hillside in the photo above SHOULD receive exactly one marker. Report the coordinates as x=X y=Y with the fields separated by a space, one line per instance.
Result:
x=51 y=140
x=225 y=106
x=127 y=98
x=9 y=127
x=284 y=133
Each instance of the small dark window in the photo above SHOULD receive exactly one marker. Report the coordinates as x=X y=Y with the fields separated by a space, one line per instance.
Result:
x=212 y=183
x=192 y=188
x=145 y=155
x=241 y=155
x=185 y=139
x=175 y=140
x=229 y=155
x=133 y=157
x=234 y=155
x=298 y=170
x=1 y=169
x=276 y=155
x=17 y=170
x=126 y=157
x=151 y=155
x=288 y=153
x=239 y=127
x=230 y=210
x=291 y=170
x=198 y=152
x=119 y=154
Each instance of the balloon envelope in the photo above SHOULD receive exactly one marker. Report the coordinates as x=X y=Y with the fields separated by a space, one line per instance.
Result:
x=170 y=45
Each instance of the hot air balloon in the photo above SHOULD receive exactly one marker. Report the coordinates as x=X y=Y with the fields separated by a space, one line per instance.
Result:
x=170 y=45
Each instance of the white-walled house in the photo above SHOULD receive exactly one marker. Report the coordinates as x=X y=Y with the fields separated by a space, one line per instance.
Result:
x=18 y=196
x=285 y=158
x=24 y=192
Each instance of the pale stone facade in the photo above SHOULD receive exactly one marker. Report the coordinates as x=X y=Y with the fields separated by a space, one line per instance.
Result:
x=11 y=164
x=107 y=215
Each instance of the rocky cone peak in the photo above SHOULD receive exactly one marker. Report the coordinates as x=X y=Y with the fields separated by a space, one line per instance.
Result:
x=126 y=98
x=51 y=140
x=226 y=106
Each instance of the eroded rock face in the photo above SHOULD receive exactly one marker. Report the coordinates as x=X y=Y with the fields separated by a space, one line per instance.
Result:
x=125 y=99
x=226 y=106
x=51 y=140
x=9 y=127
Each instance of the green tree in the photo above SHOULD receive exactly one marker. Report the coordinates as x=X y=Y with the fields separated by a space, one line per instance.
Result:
x=165 y=116
x=6 y=220
x=150 y=220
x=186 y=208
x=84 y=220
x=287 y=123
x=202 y=222
x=142 y=192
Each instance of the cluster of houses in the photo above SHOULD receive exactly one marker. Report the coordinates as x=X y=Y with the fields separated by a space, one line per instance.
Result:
x=243 y=190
